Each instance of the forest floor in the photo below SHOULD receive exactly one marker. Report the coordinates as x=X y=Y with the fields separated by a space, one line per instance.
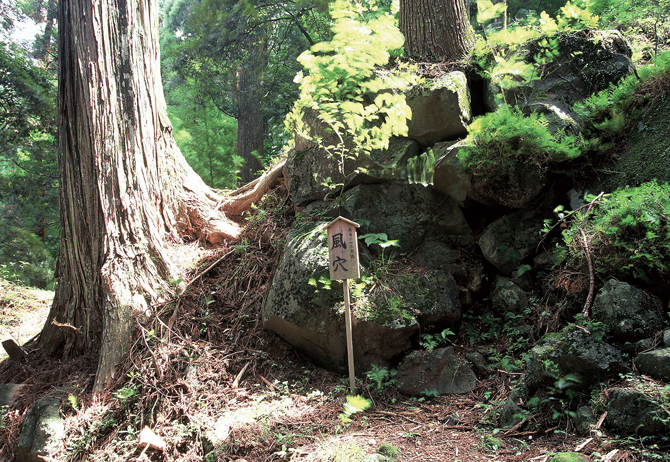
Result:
x=205 y=377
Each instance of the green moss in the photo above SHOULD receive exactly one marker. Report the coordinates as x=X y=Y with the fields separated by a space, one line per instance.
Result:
x=648 y=154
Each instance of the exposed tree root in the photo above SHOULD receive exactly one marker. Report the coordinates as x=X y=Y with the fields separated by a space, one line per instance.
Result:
x=241 y=199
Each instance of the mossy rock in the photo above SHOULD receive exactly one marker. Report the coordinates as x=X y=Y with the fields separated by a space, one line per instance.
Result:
x=648 y=153
x=408 y=213
x=572 y=351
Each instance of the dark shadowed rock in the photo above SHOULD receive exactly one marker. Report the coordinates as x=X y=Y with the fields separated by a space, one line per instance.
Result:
x=439 y=370
x=441 y=111
x=588 y=62
x=408 y=213
x=630 y=412
x=655 y=364
x=507 y=297
x=629 y=313
x=572 y=351
x=584 y=420
x=436 y=255
x=519 y=186
x=42 y=433
x=434 y=298
x=647 y=154
x=512 y=413
x=510 y=240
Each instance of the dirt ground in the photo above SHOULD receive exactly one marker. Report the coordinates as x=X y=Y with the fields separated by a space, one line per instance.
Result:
x=206 y=378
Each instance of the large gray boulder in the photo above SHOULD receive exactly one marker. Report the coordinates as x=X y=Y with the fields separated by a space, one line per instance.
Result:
x=511 y=240
x=301 y=306
x=629 y=313
x=572 y=351
x=408 y=213
x=440 y=111
x=440 y=370
x=655 y=364
x=434 y=298
x=42 y=433
x=305 y=308
x=311 y=174
x=630 y=412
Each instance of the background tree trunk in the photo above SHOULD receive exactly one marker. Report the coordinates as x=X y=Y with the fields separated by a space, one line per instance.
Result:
x=436 y=30
x=250 y=117
x=127 y=195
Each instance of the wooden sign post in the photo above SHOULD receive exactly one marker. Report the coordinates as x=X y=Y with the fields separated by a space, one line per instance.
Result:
x=343 y=256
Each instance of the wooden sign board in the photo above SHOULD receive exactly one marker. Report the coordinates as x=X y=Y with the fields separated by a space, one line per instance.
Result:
x=343 y=249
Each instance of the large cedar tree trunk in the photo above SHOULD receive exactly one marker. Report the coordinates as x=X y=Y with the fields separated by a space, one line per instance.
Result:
x=127 y=195
x=436 y=30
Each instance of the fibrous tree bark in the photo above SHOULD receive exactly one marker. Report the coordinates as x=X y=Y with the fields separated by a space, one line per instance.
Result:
x=128 y=198
x=436 y=30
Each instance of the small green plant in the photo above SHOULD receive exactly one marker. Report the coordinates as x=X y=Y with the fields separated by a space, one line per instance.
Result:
x=243 y=247
x=491 y=443
x=381 y=376
x=596 y=328
x=432 y=393
x=353 y=405
x=382 y=240
x=126 y=393
x=72 y=401
x=432 y=341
